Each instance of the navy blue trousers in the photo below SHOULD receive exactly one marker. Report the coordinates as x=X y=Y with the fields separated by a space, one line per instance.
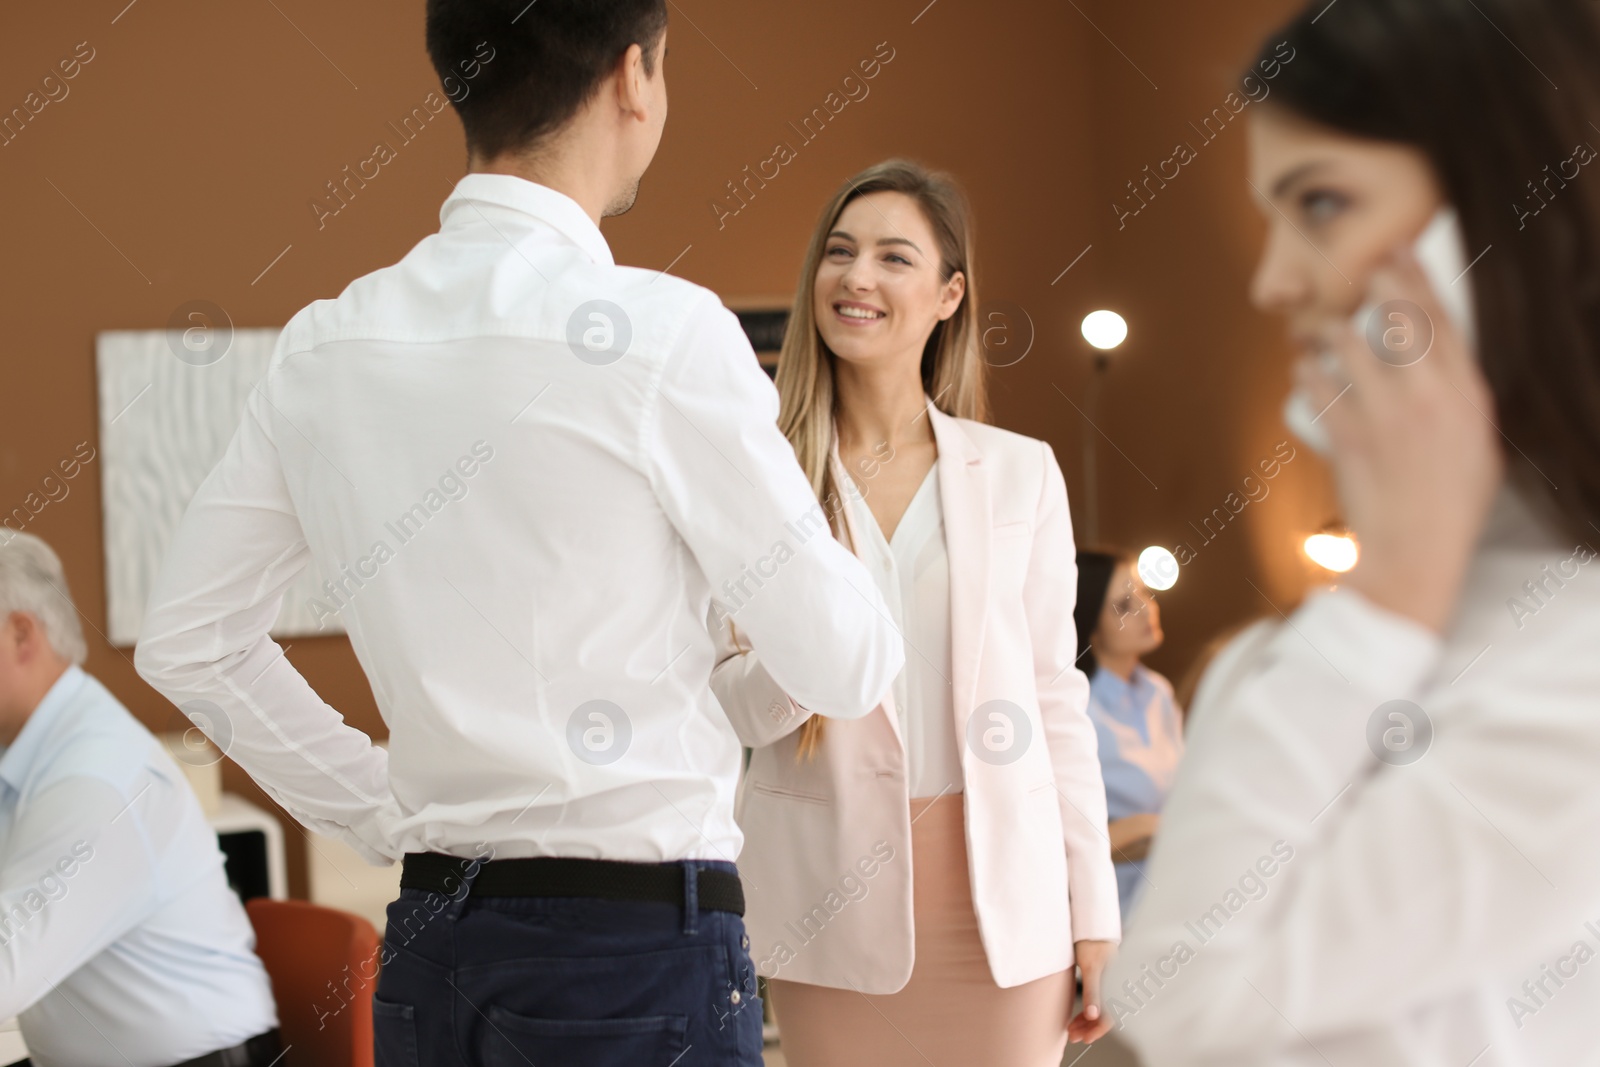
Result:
x=472 y=981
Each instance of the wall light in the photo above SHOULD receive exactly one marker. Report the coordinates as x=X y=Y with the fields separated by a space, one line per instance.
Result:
x=1332 y=552
x=1158 y=568
x=1105 y=329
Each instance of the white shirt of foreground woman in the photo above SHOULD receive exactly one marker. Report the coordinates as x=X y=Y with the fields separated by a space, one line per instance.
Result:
x=1380 y=850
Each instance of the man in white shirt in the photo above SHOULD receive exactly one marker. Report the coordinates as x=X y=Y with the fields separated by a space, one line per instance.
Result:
x=526 y=472
x=120 y=939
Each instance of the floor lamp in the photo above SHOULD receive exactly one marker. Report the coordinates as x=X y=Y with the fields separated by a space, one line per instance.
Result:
x=1105 y=331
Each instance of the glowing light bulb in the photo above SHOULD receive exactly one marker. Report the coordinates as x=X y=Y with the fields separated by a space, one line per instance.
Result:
x=1158 y=568
x=1332 y=552
x=1105 y=329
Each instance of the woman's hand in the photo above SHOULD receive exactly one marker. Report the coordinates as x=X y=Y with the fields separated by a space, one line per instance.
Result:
x=1417 y=456
x=1091 y=1023
x=1132 y=835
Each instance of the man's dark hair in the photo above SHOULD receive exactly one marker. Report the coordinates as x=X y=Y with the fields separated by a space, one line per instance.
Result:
x=549 y=58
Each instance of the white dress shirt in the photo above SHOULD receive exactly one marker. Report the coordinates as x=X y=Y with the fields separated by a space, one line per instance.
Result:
x=534 y=469
x=912 y=570
x=120 y=939
x=1313 y=904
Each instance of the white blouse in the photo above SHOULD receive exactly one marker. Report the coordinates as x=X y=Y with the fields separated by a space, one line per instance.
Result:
x=1380 y=849
x=912 y=570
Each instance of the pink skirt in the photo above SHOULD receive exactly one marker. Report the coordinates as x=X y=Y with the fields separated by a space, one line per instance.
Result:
x=950 y=1014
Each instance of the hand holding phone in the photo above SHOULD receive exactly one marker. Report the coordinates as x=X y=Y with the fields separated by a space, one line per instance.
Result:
x=1418 y=458
x=1440 y=252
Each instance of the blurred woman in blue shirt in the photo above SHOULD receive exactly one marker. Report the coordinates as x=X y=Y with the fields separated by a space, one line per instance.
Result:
x=1137 y=720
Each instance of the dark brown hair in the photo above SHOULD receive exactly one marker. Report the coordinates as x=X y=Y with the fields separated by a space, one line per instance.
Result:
x=1497 y=94
x=1096 y=567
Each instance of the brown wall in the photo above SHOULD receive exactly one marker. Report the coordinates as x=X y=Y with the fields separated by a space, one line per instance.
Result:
x=189 y=148
x=1196 y=402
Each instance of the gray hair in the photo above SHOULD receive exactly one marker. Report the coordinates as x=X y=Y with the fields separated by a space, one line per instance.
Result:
x=32 y=581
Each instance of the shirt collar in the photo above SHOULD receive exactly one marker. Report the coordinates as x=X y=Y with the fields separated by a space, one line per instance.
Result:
x=16 y=759
x=530 y=198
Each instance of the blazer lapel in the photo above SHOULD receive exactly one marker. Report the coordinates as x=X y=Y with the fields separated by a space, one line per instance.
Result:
x=964 y=489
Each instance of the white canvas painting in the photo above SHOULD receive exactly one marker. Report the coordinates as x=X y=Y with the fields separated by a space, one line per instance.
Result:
x=165 y=421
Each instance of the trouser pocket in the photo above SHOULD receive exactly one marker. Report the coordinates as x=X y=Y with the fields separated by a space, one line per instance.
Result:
x=642 y=1041
x=394 y=1034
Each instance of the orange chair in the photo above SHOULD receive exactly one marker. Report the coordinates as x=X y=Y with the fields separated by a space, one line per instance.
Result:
x=324 y=966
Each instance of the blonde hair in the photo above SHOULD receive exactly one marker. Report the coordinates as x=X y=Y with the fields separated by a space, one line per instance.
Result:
x=952 y=365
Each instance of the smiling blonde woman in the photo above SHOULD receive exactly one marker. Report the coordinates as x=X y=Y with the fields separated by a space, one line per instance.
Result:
x=922 y=880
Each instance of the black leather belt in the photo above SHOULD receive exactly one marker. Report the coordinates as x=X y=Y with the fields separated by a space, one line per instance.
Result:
x=560 y=876
x=260 y=1051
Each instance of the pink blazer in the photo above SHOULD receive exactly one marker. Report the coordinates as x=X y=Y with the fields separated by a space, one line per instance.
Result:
x=826 y=860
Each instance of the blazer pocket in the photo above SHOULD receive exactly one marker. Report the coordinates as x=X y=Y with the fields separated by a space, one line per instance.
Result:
x=1011 y=529
x=789 y=794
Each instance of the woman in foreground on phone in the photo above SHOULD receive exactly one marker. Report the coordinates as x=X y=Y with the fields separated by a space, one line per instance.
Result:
x=1380 y=848
x=922 y=880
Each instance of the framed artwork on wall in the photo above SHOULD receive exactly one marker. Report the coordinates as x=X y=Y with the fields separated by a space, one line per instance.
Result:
x=168 y=408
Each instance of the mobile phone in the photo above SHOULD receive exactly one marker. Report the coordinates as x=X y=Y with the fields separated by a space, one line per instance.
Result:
x=1440 y=251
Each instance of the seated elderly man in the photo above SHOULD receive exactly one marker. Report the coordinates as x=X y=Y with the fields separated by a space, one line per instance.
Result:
x=120 y=939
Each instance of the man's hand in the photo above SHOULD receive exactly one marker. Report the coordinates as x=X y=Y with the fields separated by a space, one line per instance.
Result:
x=1091 y=1023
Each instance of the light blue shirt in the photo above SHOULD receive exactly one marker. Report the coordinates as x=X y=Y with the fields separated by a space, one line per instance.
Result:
x=120 y=939
x=1141 y=742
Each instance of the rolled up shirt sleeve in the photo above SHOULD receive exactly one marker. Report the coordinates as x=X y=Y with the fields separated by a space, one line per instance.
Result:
x=204 y=645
